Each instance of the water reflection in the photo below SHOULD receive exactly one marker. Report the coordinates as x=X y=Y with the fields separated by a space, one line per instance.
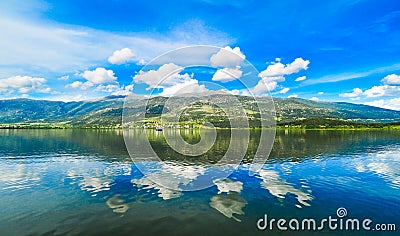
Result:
x=50 y=178
x=385 y=164
x=229 y=205
x=173 y=170
x=290 y=145
x=299 y=145
x=93 y=179
x=169 y=178
x=20 y=176
x=227 y=186
x=228 y=201
x=280 y=188
x=117 y=204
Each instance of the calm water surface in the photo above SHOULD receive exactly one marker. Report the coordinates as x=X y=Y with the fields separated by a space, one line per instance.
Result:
x=83 y=182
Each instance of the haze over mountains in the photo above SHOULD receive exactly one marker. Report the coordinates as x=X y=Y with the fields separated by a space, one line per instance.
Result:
x=108 y=110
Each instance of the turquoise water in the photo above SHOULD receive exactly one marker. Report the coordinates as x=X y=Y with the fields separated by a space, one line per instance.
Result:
x=83 y=182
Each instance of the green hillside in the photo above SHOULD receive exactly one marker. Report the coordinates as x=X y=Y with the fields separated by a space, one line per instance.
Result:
x=108 y=111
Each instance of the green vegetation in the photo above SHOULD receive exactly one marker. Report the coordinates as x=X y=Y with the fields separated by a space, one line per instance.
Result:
x=321 y=123
x=107 y=113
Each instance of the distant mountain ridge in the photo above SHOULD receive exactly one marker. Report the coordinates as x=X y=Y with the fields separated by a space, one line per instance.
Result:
x=108 y=110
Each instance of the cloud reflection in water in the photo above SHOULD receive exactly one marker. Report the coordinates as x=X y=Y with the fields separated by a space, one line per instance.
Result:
x=279 y=187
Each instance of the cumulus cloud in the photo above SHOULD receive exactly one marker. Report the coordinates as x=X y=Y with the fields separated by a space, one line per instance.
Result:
x=24 y=84
x=356 y=93
x=320 y=93
x=382 y=91
x=80 y=85
x=267 y=84
x=391 y=79
x=227 y=74
x=165 y=76
x=393 y=104
x=227 y=57
x=115 y=89
x=99 y=76
x=389 y=88
x=65 y=77
x=276 y=72
x=279 y=69
x=187 y=86
x=122 y=56
x=264 y=86
x=301 y=78
x=243 y=92
x=315 y=99
x=284 y=90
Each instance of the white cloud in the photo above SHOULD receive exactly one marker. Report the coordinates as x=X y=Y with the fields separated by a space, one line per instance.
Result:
x=279 y=69
x=301 y=78
x=80 y=85
x=275 y=72
x=315 y=99
x=263 y=87
x=293 y=96
x=391 y=79
x=115 y=89
x=284 y=90
x=320 y=93
x=166 y=75
x=122 y=56
x=72 y=96
x=65 y=77
x=356 y=93
x=227 y=57
x=31 y=45
x=267 y=84
x=383 y=90
x=99 y=75
x=243 y=92
x=389 y=89
x=95 y=92
x=23 y=84
x=393 y=104
x=227 y=74
x=273 y=78
x=187 y=86
x=351 y=75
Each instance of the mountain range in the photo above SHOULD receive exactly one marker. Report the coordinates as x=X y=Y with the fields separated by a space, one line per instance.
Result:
x=108 y=111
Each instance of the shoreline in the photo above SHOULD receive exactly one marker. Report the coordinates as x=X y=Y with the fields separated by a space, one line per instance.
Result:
x=280 y=128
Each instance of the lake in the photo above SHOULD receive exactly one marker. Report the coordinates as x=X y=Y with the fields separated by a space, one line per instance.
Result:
x=83 y=182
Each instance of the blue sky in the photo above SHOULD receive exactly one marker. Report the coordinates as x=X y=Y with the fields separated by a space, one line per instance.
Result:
x=73 y=50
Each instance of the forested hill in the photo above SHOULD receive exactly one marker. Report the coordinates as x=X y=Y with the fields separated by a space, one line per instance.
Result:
x=108 y=111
